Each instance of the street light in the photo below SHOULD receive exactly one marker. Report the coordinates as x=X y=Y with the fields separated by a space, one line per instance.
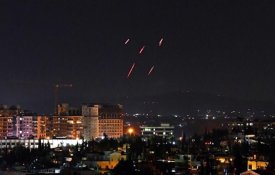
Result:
x=130 y=131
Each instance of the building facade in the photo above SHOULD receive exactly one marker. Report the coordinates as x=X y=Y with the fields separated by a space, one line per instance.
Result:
x=23 y=126
x=92 y=121
x=111 y=121
x=34 y=143
x=102 y=120
x=42 y=127
x=70 y=127
x=163 y=130
x=15 y=123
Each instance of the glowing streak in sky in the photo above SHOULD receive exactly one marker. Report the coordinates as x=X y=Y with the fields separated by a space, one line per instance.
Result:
x=127 y=41
x=160 y=42
x=131 y=70
x=141 y=50
x=150 y=71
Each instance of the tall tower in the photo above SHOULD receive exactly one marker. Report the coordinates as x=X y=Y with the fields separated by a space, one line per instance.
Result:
x=91 y=121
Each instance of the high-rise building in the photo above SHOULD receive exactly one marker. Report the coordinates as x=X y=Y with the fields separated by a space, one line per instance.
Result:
x=65 y=126
x=8 y=120
x=68 y=123
x=42 y=127
x=23 y=126
x=5 y=126
x=102 y=119
x=111 y=121
x=91 y=120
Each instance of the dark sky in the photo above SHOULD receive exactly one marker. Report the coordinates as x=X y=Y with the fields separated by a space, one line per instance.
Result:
x=222 y=47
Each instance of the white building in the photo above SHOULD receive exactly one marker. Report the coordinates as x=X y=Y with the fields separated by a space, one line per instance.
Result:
x=33 y=143
x=164 y=130
x=24 y=126
x=20 y=127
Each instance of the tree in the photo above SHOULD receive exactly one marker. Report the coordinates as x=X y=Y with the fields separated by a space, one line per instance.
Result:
x=239 y=162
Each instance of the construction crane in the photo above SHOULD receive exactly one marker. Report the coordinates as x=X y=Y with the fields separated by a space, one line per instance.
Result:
x=56 y=91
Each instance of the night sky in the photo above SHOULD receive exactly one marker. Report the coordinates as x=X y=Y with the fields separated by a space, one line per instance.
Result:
x=222 y=47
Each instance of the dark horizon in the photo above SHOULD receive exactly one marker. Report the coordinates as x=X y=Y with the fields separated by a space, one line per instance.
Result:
x=217 y=47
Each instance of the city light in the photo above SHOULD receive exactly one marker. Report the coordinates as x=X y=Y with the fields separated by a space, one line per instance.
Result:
x=130 y=131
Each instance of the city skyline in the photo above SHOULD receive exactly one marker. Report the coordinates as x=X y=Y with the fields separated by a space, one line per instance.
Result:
x=215 y=47
x=137 y=87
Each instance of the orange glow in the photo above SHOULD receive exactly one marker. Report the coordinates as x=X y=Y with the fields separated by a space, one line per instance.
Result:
x=130 y=131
